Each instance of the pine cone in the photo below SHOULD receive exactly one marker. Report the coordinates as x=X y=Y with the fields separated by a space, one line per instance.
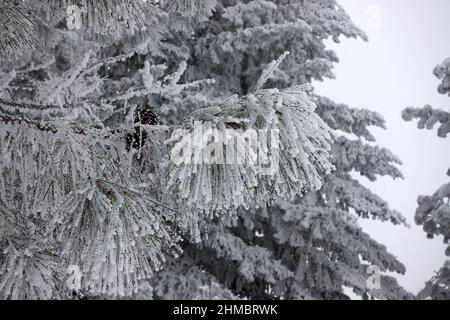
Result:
x=144 y=116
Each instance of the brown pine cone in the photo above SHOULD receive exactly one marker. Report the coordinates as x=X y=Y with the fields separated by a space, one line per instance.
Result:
x=138 y=139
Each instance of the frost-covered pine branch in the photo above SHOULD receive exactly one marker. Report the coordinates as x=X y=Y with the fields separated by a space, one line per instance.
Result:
x=429 y=118
x=108 y=18
x=185 y=14
x=18 y=32
x=233 y=172
x=438 y=288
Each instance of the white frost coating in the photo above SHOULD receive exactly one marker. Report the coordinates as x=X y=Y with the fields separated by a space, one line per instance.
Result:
x=271 y=68
x=303 y=153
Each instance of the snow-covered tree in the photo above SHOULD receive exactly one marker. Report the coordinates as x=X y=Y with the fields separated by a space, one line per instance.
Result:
x=433 y=212
x=309 y=247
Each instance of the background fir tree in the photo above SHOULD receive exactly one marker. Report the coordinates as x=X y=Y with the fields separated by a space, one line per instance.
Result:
x=312 y=247
x=433 y=212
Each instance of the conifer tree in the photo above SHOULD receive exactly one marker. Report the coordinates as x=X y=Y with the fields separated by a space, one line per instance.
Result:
x=310 y=247
x=433 y=212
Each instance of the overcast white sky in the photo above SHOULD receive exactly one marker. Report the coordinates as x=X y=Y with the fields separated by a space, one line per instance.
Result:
x=407 y=39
